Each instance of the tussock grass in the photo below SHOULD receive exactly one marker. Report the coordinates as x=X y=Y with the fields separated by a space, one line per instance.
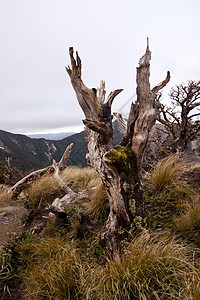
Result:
x=150 y=266
x=5 y=197
x=149 y=269
x=48 y=248
x=166 y=175
x=98 y=204
x=194 y=166
x=84 y=178
x=188 y=222
x=167 y=191
x=43 y=192
x=16 y=254
x=57 y=275
x=190 y=219
x=46 y=189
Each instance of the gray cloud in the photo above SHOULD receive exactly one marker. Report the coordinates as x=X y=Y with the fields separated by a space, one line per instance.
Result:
x=35 y=92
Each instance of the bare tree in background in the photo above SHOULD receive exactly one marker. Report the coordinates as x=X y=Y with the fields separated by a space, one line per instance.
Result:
x=181 y=121
x=119 y=167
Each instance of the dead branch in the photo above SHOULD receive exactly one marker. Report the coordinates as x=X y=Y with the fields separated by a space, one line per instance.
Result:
x=30 y=178
x=122 y=123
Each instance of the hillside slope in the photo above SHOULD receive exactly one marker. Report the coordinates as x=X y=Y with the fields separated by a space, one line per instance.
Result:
x=29 y=153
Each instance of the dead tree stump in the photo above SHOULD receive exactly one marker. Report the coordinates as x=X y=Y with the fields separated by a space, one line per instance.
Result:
x=119 y=167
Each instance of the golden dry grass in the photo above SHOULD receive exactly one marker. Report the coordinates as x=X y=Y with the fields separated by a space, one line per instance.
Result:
x=43 y=192
x=98 y=203
x=47 y=188
x=83 y=178
x=56 y=274
x=150 y=268
x=167 y=173
x=5 y=196
x=189 y=220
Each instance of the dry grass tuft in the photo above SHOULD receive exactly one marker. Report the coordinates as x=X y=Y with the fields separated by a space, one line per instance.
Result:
x=5 y=197
x=57 y=275
x=46 y=189
x=167 y=173
x=83 y=178
x=43 y=192
x=194 y=166
x=98 y=204
x=189 y=220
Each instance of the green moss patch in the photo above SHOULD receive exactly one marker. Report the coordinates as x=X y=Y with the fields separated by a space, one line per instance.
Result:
x=124 y=159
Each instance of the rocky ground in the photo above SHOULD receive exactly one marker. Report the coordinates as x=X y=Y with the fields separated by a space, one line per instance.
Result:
x=11 y=220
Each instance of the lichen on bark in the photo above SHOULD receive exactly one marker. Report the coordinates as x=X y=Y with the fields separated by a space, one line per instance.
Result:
x=125 y=161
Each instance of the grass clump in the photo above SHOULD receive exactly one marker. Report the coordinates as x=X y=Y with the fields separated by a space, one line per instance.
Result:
x=167 y=192
x=48 y=248
x=188 y=222
x=81 y=179
x=68 y=260
x=43 y=192
x=149 y=269
x=167 y=173
x=57 y=275
x=98 y=206
x=5 y=196
x=15 y=256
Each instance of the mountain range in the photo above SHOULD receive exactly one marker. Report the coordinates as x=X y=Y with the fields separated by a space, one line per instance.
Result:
x=31 y=153
x=51 y=136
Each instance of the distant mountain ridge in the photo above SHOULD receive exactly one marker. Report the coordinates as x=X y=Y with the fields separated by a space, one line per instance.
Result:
x=31 y=153
x=51 y=136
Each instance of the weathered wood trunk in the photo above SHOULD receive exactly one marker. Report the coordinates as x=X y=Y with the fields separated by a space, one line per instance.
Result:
x=119 y=167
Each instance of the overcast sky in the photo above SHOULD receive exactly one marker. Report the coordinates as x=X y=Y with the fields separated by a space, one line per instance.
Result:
x=110 y=35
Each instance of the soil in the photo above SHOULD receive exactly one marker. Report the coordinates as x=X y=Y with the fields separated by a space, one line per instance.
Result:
x=11 y=220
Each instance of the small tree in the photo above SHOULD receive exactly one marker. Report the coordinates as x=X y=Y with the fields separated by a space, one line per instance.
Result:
x=181 y=121
x=119 y=167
